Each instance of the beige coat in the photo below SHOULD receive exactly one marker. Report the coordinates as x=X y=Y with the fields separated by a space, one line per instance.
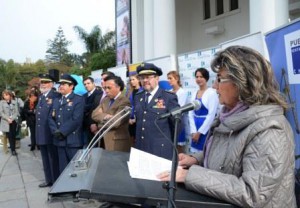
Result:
x=5 y=112
x=251 y=160
x=117 y=139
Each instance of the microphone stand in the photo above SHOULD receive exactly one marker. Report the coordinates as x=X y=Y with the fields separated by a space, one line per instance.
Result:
x=171 y=186
x=81 y=161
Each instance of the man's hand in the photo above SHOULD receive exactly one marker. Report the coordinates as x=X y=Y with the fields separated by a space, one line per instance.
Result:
x=57 y=134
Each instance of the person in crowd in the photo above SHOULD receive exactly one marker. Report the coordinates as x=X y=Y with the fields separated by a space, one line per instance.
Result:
x=43 y=135
x=117 y=139
x=103 y=76
x=92 y=100
x=182 y=95
x=9 y=113
x=200 y=120
x=134 y=87
x=29 y=111
x=20 y=104
x=65 y=121
x=148 y=106
x=248 y=159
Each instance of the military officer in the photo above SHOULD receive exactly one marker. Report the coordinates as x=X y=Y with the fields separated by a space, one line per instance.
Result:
x=43 y=135
x=149 y=104
x=65 y=121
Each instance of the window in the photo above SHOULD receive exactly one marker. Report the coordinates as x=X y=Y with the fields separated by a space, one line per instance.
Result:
x=234 y=4
x=206 y=9
x=219 y=7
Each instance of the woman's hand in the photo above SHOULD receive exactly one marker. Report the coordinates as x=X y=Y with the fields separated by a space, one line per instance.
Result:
x=195 y=137
x=180 y=175
x=131 y=121
x=186 y=161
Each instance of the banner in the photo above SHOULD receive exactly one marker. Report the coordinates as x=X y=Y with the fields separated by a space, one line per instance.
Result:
x=284 y=51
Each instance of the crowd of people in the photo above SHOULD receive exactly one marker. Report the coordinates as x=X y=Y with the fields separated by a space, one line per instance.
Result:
x=243 y=154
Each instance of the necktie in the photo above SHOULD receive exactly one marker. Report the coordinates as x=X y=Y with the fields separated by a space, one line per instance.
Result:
x=111 y=102
x=147 y=98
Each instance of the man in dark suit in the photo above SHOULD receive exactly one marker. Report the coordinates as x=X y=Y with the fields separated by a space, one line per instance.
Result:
x=43 y=135
x=65 y=121
x=92 y=100
x=149 y=104
x=117 y=139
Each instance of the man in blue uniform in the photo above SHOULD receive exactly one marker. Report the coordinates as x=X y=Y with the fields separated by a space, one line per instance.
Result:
x=149 y=105
x=43 y=135
x=65 y=121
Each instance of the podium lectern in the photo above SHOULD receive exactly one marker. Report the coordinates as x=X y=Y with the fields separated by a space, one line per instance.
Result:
x=107 y=179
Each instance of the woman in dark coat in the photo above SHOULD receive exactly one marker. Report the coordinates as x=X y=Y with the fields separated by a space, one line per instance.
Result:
x=29 y=115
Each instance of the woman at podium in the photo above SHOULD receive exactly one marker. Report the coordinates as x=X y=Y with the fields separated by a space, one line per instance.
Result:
x=248 y=157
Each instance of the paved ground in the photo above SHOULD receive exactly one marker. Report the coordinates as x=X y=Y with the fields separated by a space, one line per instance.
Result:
x=19 y=180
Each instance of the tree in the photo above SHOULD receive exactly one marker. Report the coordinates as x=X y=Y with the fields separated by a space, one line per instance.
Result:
x=95 y=44
x=58 y=49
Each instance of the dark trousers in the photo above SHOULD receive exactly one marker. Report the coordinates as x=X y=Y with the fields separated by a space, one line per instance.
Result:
x=11 y=135
x=32 y=135
x=65 y=155
x=50 y=162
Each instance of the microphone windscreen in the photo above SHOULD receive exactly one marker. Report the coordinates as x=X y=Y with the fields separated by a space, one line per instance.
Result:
x=197 y=104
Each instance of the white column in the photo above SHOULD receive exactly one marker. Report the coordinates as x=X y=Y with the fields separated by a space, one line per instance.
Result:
x=137 y=16
x=164 y=27
x=148 y=30
x=265 y=15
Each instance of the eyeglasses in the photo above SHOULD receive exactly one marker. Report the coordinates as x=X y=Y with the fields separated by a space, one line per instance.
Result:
x=221 y=80
x=146 y=77
x=107 y=88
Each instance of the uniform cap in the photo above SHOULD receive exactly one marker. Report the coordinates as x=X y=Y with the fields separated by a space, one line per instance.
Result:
x=67 y=78
x=148 y=68
x=46 y=78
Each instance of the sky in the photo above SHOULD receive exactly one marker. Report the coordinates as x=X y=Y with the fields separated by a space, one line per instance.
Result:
x=27 y=25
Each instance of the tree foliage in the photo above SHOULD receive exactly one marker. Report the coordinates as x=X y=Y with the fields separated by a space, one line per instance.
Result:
x=58 y=49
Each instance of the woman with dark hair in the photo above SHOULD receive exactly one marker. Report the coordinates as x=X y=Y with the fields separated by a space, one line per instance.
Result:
x=9 y=113
x=248 y=159
x=29 y=115
x=201 y=119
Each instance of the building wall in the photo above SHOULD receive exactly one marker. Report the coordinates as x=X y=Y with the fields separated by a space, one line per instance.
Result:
x=191 y=28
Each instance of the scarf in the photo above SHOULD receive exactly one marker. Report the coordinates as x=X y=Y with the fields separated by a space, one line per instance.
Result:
x=225 y=113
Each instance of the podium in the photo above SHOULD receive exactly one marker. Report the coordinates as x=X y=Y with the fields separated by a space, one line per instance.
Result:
x=108 y=179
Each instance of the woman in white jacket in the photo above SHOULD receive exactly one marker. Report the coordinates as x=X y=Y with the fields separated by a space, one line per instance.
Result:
x=200 y=120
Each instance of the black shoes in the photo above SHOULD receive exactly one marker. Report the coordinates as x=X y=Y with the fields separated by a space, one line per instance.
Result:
x=14 y=153
x=32 y=148
x=43 y=185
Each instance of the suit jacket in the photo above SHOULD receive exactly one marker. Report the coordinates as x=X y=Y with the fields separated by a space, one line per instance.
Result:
x=66 y=116
x=117 y=138
x=148 y=136
x=42 y=130
x=91 y=103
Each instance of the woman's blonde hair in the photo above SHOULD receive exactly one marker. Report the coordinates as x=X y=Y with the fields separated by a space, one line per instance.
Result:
x=251 y=73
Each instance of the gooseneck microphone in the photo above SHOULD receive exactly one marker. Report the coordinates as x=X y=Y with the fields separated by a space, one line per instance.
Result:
x=195 y=105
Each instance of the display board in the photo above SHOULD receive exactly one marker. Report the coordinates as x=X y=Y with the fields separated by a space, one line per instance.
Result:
x=189 y=62
x=96 y=75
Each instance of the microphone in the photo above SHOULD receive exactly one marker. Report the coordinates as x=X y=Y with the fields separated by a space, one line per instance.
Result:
x=195 y=105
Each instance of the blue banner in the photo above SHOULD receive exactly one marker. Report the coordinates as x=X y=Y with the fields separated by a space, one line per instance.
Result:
x=284 y=51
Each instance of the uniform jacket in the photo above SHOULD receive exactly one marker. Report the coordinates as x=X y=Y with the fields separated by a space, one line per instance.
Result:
x=66 y=117
x=91 y=103
x=120 y=130
x=148 y=136
x=251 y=160
x=42 y=130
x=6 y=112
